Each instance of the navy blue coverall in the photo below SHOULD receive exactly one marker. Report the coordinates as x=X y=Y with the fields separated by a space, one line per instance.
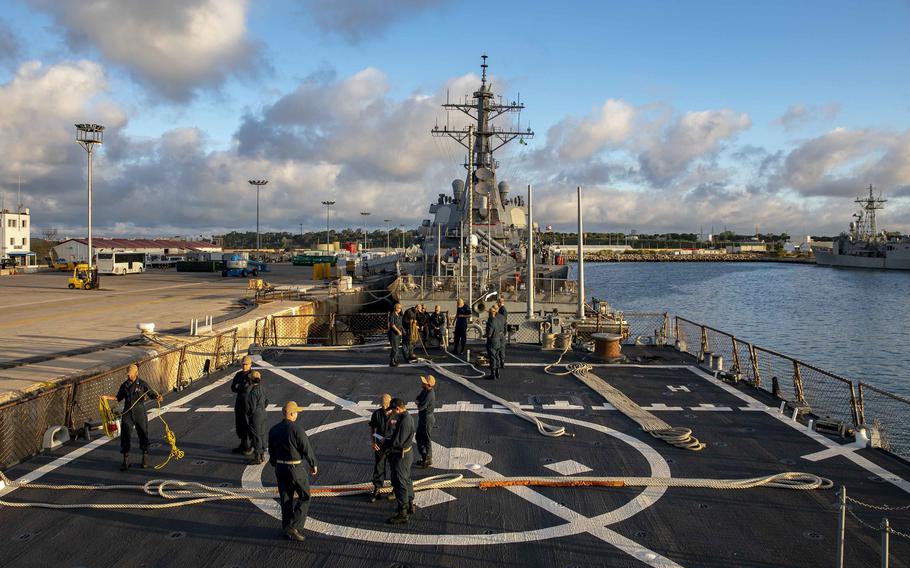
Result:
x=401 y=457
x=256 y=403
x=426 y=403
x=134 y=415
x=240 y=384
x=292 y=456
x=379 y=422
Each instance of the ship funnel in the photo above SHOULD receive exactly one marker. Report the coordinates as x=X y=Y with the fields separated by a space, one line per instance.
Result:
x=457 y=189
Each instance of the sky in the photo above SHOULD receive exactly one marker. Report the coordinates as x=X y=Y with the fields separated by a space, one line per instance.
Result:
x=672 y=116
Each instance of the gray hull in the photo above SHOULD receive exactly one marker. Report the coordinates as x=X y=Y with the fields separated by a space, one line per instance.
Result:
x=850 y=261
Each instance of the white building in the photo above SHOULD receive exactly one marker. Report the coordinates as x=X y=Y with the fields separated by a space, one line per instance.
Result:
x=77 y=249
x=15 y=242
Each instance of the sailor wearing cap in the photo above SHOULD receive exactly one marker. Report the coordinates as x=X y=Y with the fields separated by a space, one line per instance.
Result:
x=400 y=459
x=240 y=384
x=379 y=436
x=426 y=403
x=396 y=335
x=495 y=342
x=132 y=394
x=289 y=449
x=256 y=403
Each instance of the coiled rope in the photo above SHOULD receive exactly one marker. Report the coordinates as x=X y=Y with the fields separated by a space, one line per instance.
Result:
x=676 y=436
x=185 y=493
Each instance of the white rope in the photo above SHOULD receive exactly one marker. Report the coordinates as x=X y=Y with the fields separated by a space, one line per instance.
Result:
x=185 y=493
x=542 y=427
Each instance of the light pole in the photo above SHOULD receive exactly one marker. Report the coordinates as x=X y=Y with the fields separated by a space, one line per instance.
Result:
x=388 y=236
x=365 y=214
x=401 y=231
x=328 y=205
x=87 y=135
x=258 y=183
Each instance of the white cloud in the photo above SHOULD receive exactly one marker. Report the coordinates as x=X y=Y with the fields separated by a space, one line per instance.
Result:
x=798 y=116
x=173 y=46
x=691 y=136
x=581 y=138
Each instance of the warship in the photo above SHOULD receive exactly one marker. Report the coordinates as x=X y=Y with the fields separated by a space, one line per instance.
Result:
x=661 y=442
x=864 y=246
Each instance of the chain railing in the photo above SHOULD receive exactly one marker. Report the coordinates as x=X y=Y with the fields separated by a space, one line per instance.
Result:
x=428 y=288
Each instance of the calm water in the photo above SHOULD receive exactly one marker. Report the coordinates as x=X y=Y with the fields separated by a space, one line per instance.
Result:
x=852 y=322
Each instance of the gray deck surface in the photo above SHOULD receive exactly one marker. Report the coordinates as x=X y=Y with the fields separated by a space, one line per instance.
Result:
x=691 y=527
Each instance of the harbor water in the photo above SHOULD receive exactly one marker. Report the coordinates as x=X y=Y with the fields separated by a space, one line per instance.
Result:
x=852 y=322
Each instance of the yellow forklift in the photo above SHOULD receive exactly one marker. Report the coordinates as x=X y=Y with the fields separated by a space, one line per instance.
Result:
x=84 y=278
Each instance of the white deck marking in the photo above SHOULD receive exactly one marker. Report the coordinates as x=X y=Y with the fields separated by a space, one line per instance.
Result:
x=711 y=408
x=568 y=467
x=661 y=407
x=343 y=403
x=604 y=406
x=562 y=405
x=216 y=408
x=461 y=405
x=853 y=456
x=79 y=452
x=577 y=523
x=172 y=408
x=424 y=499
x=678 y=388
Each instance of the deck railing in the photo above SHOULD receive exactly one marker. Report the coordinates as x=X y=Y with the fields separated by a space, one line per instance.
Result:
x=509 y=288
x=827 y=395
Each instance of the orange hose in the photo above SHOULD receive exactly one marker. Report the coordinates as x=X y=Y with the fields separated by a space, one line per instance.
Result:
x=541 y=483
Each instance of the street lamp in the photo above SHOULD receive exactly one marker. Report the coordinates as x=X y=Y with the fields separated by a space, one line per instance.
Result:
x=365 y=214
x=328 y=205
x=388 y=236
x=87 y=135
x=401 y=228
x=258 y=183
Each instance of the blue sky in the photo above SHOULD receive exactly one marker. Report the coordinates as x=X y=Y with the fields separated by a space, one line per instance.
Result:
x=735 y=113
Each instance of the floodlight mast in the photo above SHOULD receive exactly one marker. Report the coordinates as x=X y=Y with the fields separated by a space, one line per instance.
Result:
x=87 y=135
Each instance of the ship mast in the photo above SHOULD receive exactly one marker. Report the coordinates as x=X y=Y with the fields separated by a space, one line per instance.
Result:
x=866 y=226
x=483 y=109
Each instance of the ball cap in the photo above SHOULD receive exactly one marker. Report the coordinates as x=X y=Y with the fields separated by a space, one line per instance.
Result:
x=291 y=406
x=247 y=360
x=428 y=380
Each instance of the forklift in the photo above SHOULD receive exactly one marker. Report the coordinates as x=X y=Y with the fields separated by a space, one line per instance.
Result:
x=84 y=278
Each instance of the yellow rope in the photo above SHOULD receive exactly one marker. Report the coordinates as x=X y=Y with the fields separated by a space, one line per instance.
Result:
x=109 y=423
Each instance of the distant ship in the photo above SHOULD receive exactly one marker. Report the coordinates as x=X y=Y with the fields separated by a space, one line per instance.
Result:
x=864 y=246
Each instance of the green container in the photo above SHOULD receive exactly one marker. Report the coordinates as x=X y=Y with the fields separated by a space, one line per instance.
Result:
x=311 y=259
x=200 y=266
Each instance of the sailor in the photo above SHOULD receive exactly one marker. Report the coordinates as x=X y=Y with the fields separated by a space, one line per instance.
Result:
x=462 y=316
x=409 y=319
x=423 y=323
x=494 y=342
x=400 y=459
x=239 y=384
x=426 y=403
x=379 y=436
x=502 y=317
x=396 y=335
x=289 y=452
x=256 y=403
x=132 y=393
x=438 y=326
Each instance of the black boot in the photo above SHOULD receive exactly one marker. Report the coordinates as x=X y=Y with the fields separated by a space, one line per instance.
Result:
x=247 y=451
x=411 y=508
x=400 y=518
x=294 y=534
x=427 y=462
x=145 y=460
x=374 y=496
x=126 y=463
x=238 y=450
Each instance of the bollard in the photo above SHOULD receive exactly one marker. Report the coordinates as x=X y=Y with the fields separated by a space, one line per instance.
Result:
x=710 y=360
x=783 y=405
x=795 y=415
x=841 y=526
x=719 y=363
x=811 y=425
x=886 y=531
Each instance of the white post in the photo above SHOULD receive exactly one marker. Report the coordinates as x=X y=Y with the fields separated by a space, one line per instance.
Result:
x=90 y=260
x=581 y=262
x=530 y=279
x=470 y=217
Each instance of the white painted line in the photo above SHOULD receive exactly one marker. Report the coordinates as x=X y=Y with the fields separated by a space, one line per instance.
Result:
x=216 y=408
x=79 y=452
x=830 y=453
x=678 y=388
x=425 y=499
x=337 y=400
x=604 y=406
x=755 y=408
x=568 y=467
x=659 y=406
x=711 y=408
x=461 y=406
x=859 y=460
x=368 y=404
x=562 y=405
x=349 y=366
x=170 y=408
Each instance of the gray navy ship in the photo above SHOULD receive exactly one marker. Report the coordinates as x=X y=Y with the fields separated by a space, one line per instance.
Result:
x=864 y=246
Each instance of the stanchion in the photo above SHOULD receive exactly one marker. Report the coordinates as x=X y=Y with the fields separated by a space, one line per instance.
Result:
x=842 y=524
x=886 y=532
